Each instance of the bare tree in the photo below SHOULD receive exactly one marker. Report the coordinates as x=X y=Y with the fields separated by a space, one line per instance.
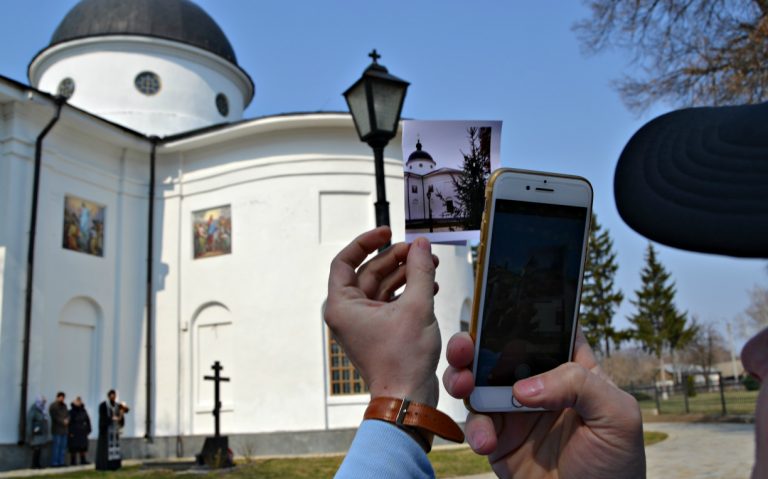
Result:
x=630 y=366
x=757 y=311
x=706 y=348
x=687 y=52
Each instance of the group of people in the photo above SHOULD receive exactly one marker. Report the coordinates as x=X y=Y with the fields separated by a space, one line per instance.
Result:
x=68 y=428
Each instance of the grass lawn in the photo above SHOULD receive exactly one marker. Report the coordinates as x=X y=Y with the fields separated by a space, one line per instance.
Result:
x=448 y=462
x=652 y=437
x=736 y=402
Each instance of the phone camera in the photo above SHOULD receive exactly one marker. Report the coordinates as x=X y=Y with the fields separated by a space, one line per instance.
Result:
x=527 y=187
x=545 y=181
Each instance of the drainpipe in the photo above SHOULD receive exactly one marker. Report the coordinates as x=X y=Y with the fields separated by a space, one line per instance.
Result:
x=150 y=261
x=60 y=101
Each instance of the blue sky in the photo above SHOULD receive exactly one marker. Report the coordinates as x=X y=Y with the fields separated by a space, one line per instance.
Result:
x=518 y=62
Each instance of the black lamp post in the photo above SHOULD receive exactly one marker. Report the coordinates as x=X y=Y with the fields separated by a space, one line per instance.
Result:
x=376 y=101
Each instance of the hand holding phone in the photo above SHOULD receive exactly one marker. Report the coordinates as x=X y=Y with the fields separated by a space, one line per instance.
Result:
x=531 y=262
x=593 y=428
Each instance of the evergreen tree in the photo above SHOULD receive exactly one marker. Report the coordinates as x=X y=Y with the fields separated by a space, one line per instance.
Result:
x=599 y=296
x=470 y=183
x=658 y=325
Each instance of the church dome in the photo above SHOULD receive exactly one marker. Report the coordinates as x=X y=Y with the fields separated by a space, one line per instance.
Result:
x=160 y=67
x=175 y=20
x=420 y=154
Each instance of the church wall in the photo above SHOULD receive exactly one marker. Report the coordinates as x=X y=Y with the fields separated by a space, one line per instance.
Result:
x=22 y=120
x=78 y=298
x=442 y=183
x=282 y=188
x=104 y=76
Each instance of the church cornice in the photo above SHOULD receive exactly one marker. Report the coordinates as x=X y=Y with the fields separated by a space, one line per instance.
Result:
x=17 y=91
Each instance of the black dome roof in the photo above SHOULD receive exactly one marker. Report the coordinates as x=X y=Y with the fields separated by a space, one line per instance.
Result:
x=177 y=20
x=420 y=154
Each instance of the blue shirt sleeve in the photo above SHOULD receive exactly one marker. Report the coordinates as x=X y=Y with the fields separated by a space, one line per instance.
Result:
x=381 y=450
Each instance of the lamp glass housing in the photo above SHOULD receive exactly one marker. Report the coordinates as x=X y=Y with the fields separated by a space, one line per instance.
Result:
x=376 y=101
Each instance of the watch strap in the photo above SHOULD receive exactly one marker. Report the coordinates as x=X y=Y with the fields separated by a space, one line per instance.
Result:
x=404 y=412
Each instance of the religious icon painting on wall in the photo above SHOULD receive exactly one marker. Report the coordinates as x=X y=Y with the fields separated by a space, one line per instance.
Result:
x=83 y=226
x=212 y=232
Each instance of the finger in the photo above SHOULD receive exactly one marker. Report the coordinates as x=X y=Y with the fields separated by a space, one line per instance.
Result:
x=582 y=351
x=584 y=355
x=458 y=382
x=754 y=355
x=571 y=385
x=480 y=433
x=390 y=284
x=374 y=272
x=420 y=274
x=394 y=281
x=346 y=262
x=460 y=350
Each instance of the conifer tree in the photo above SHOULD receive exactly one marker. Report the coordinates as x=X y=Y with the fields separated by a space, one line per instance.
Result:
x=658 y=325
x=470 y=182
x=599 y=296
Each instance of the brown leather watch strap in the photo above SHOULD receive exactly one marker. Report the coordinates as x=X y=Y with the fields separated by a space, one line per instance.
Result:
x=403 y=412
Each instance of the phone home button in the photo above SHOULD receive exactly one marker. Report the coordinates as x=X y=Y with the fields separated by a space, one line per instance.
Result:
x=515 y=402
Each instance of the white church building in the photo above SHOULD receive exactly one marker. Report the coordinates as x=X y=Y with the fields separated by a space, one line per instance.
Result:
x=148 y=230
x=432 y=200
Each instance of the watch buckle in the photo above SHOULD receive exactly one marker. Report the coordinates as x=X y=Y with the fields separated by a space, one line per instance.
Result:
x=402 y=411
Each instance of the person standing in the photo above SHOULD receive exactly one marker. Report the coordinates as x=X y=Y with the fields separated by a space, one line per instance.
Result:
x=59 y=429
x=111 y=419
x=79 y=429
x=38 y=432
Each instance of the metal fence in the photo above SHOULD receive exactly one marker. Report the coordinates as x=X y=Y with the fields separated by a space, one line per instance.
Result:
x=696 y=394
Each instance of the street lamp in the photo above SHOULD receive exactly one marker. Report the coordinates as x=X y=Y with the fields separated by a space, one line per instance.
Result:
x=376 y=101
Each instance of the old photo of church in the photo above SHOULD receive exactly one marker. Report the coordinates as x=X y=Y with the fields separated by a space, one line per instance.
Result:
x=447 y=165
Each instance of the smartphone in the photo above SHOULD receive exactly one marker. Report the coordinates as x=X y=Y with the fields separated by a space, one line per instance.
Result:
x=530 y=267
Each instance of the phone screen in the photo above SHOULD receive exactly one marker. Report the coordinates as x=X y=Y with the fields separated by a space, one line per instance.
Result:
x=530 y=296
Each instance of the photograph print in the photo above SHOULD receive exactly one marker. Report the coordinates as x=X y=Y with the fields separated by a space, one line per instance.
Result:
x=83 y=226
x=446 y=167
x=212 y=232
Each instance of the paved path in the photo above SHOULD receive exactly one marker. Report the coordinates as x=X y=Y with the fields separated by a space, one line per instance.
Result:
x=693 y=450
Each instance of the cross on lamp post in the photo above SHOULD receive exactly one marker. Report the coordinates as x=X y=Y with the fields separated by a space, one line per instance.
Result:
x=375 y=102
x=217 y=380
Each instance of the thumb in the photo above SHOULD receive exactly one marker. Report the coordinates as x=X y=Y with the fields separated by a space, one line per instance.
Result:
x=419 y=273
x=571 y=385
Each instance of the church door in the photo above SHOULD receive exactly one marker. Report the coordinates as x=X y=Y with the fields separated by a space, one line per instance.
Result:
x=212 y=341
x=75 y=354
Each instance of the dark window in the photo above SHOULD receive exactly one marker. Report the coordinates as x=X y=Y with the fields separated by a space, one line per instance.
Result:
x=449 y=206
x=147 y=83
x=414 y=189
x=67 y=88
x=222 y=104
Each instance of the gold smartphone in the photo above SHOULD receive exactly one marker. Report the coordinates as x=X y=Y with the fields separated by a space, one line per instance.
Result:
x=531 y=256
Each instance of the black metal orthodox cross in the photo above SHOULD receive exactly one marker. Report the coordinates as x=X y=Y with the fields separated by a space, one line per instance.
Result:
x=217 y=379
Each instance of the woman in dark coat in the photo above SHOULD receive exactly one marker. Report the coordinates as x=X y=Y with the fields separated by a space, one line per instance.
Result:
x=79 y=429
x=38 y=430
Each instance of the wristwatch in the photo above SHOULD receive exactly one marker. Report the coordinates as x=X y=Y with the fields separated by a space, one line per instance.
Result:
x=425 y=420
